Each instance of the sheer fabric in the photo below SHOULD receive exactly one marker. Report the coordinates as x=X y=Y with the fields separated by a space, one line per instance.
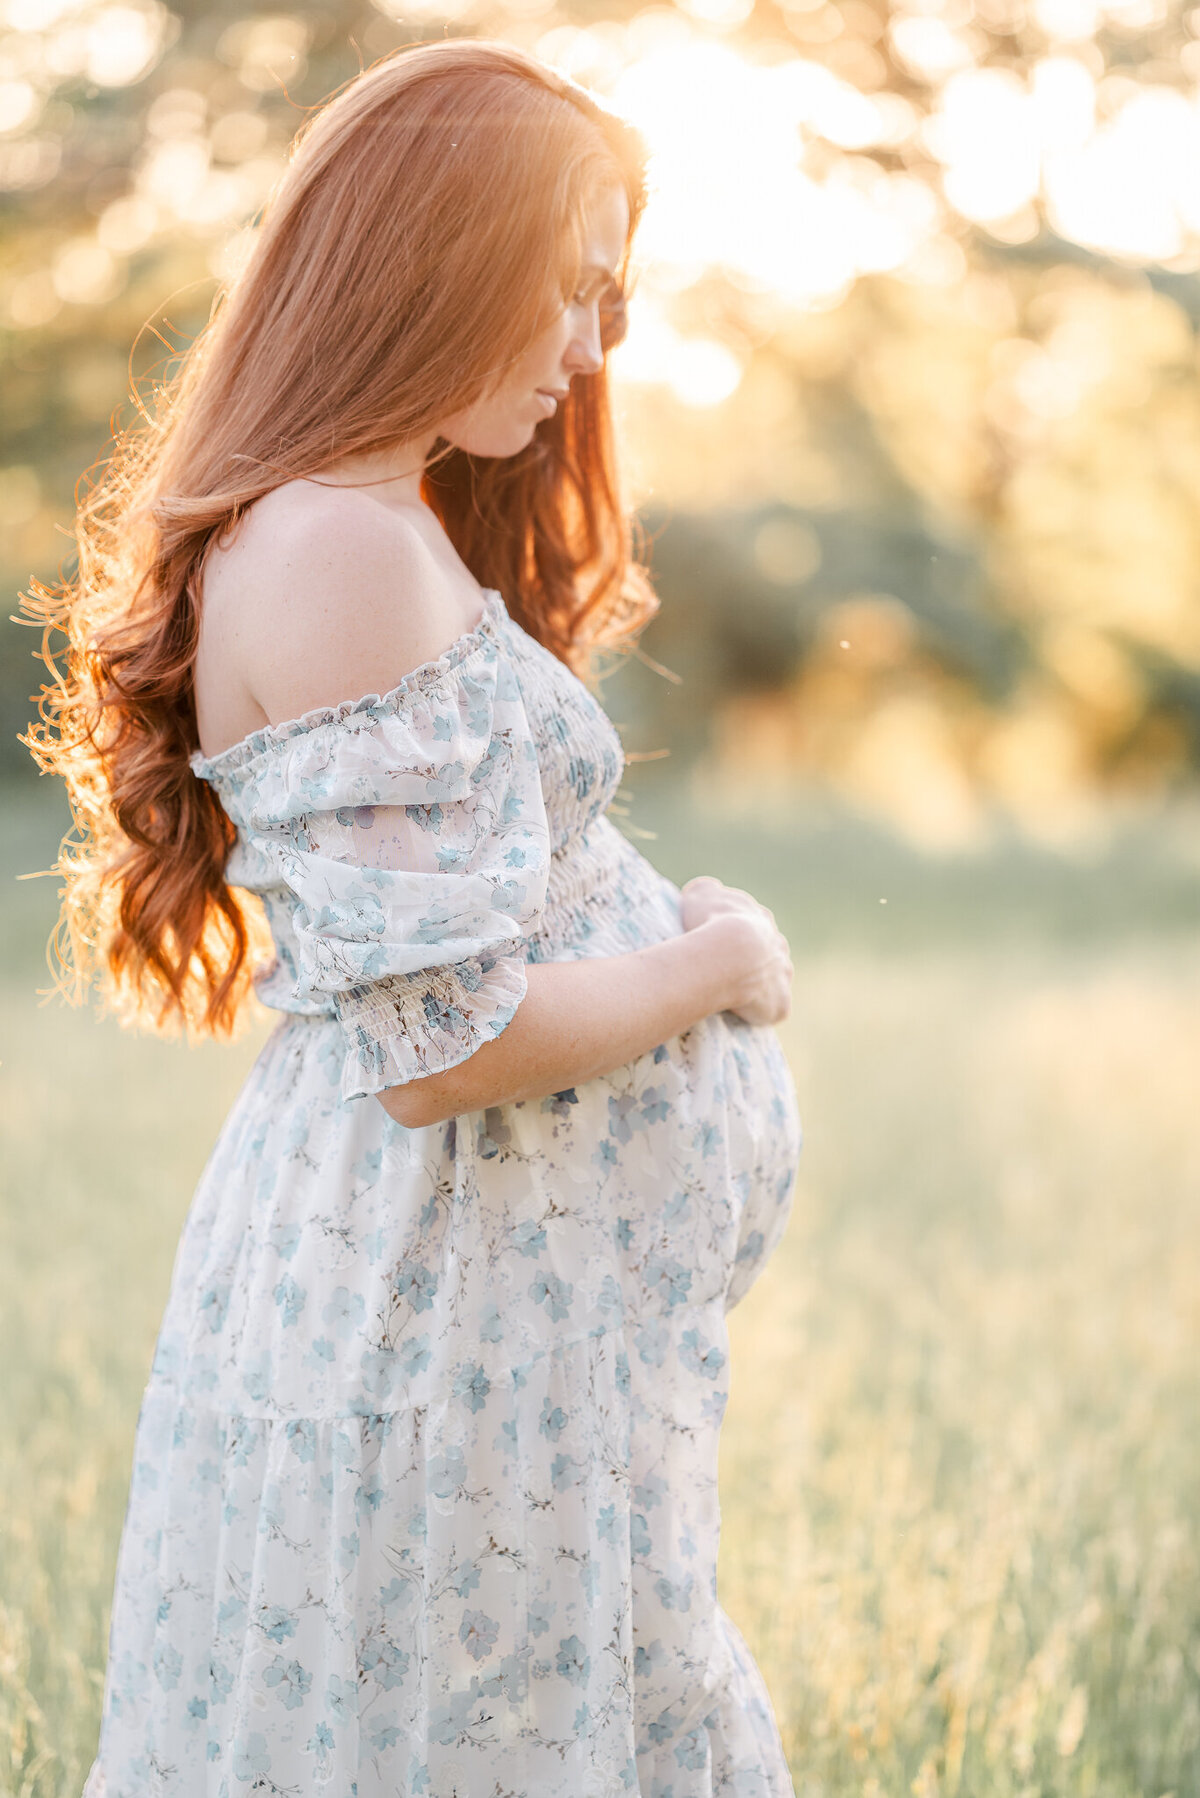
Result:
x=424 y=1496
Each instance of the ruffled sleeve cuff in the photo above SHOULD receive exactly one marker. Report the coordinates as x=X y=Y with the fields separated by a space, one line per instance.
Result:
x=406 y=1026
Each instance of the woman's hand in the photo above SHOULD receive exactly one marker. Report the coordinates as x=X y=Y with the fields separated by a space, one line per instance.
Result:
x=751 y=951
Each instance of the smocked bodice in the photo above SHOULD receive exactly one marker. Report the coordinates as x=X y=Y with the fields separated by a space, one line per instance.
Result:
x=476 y=790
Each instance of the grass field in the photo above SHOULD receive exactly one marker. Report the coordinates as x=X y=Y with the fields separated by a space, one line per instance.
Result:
x=961 y=1464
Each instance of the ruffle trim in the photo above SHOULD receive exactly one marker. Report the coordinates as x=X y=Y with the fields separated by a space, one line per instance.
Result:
x=407 y=1026
x=242 y=754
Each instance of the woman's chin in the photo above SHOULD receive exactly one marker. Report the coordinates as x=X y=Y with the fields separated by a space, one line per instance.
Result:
x=503 y=440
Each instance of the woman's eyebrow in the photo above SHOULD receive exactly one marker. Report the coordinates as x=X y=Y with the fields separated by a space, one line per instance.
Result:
x=599 y=268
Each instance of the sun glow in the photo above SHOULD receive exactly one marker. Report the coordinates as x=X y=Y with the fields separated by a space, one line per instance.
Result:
x=762 y=170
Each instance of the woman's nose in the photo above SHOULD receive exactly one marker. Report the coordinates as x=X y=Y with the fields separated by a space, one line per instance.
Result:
x=585 y=354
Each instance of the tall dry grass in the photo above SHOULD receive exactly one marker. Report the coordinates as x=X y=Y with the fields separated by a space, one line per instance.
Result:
x=962 y=1456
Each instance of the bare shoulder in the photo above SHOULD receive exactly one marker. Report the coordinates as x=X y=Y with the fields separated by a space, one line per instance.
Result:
x=322 y=594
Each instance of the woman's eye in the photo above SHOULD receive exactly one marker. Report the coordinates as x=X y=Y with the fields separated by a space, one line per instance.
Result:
x=611 y=301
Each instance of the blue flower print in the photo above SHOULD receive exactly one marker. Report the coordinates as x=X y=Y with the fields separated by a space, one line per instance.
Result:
x=709 y=1139
x=752 y=1248
x=168 y=1665
x=434 y=1412
x=560 y=1472
x=676 y=1210
x=620 y=1109
x=668 y=1279
x=416 y=1283
x=415 y=1354
x=230 y=1610
x=215 y=1303
x=691 y=1751
x=554 y=1293
x=479 y=1632
x=242 y=1442
x=494 y=1134
x=369 y=1166
x=699 y=1356
x=651 y=1491
x=382 y=1732
x=529 y=1237
x=275 y=1622
x=675 y=1595
x=385 y=1662
x=341 y=1698
x=559 y=1104
x=582 y=776
x=250 y=1757
x=344 y=1311
x=290 y=1298
x=491 y=1328
x=651 y=1342
x=472 y=1385
x=302 y=1438
x=608 y=1298
x=290 y=1681
x=572 y=1662
x=447 y=1472
x=655 y=1105
x=553 y=1420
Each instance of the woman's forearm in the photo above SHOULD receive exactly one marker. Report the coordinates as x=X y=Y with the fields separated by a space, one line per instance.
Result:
x=578 y=1019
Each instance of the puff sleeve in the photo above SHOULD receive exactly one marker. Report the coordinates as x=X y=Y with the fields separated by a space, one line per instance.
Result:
x=411 y=832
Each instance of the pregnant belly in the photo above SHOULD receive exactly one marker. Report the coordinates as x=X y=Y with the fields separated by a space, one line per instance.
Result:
x=671 y=1176
x=695 y=1144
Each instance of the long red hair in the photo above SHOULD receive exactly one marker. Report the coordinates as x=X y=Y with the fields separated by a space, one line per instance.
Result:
x=388 y=288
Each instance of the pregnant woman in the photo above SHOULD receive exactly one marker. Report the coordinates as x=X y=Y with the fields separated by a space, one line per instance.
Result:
x=424 y=1496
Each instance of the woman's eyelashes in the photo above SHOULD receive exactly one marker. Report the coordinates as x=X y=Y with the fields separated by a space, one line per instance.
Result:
x=613 y=320
x=610 y=299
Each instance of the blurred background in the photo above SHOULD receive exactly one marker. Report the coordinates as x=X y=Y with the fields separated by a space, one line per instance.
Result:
x=910 y=409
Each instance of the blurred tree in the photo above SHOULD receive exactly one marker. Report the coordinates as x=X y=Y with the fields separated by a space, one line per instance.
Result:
x=911 y=394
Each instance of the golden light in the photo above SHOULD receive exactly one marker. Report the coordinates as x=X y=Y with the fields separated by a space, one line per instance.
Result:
x=85 y=273
x=267 y=52
x=1131 y=187
x=983 y=134
x=123 y=42
x=18 y=105
x=730 y=191
x=698 y=370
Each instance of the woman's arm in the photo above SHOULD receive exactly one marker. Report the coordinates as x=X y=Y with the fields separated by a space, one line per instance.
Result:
x=580 y=1019
x=284 y=632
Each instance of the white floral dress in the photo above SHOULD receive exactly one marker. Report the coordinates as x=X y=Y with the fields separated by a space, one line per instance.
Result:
x=424 y=1496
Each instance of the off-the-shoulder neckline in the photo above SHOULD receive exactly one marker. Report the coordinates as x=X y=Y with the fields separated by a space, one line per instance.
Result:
x=269 y=736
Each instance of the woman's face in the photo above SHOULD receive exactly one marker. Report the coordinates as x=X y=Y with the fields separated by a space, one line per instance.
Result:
x=504 y=421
